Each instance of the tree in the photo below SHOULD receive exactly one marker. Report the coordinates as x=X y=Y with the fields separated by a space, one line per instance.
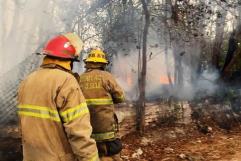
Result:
x=142 y=72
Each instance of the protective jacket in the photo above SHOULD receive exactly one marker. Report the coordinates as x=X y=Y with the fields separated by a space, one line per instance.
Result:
x=101 y=92
x=54 y=118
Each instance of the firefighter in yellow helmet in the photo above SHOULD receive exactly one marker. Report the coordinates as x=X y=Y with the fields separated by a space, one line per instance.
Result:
x=102 y=92
x=54 y=118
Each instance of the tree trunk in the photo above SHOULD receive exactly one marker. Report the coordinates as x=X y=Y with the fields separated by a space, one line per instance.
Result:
x=233 y=49
x=227 y=72
x=216 y=51
x=166 y=33
x=232 y=53
x=142 y=82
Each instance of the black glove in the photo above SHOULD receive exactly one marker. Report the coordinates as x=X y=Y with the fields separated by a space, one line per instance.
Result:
x=113 y=147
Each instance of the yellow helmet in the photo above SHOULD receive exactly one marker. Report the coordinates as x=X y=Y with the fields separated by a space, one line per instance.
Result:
x=96 y=56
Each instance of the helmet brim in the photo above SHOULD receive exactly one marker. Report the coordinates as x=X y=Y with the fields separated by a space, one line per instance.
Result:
x=76 y=59
x=86 y=61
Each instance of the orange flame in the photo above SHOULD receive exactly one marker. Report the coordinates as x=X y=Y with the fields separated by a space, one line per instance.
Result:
x=129 y=79
x=164 y=79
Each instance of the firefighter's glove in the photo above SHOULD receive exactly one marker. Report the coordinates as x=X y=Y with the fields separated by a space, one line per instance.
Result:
x=113 y=147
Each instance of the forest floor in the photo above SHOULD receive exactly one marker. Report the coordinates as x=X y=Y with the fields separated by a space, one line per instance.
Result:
x=159 y=143
x=183 y=143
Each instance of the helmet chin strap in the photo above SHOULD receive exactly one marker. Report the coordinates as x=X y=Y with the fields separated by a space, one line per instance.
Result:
x=71 y=64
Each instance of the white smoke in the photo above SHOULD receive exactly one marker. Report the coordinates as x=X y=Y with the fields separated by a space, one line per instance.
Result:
x=195 y=85
x=125 y=68
x=26 y=25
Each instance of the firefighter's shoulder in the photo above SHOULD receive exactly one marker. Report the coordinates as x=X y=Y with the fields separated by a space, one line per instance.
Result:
x=106 y=74
x=53 y=74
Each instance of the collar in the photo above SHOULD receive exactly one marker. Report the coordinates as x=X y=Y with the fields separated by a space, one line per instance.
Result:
x=52 y=63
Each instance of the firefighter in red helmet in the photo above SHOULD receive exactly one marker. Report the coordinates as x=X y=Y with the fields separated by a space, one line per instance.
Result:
x=54 y=118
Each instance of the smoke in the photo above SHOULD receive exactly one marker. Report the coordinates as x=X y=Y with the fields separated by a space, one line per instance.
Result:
x=204 y=85
x=191 y=82
x=26 y=25
x=125 y=68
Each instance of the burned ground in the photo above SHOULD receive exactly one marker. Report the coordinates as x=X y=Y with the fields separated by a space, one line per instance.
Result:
x=211 y=132
x=183 y=143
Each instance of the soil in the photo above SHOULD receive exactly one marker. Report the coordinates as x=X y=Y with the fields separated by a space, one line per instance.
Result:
x=10 y=143
x=183 y=143
x=160 y=143
x=10 y=149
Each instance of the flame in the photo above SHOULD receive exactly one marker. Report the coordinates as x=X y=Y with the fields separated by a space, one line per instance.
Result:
x=129 y=79
x=164 y=79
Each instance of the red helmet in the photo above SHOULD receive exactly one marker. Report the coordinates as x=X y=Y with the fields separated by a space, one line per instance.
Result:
x=66 y=46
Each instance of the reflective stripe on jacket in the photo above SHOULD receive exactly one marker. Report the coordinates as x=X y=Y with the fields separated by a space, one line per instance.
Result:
x=54 y=118
x=54 y=115
x=101 y=92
